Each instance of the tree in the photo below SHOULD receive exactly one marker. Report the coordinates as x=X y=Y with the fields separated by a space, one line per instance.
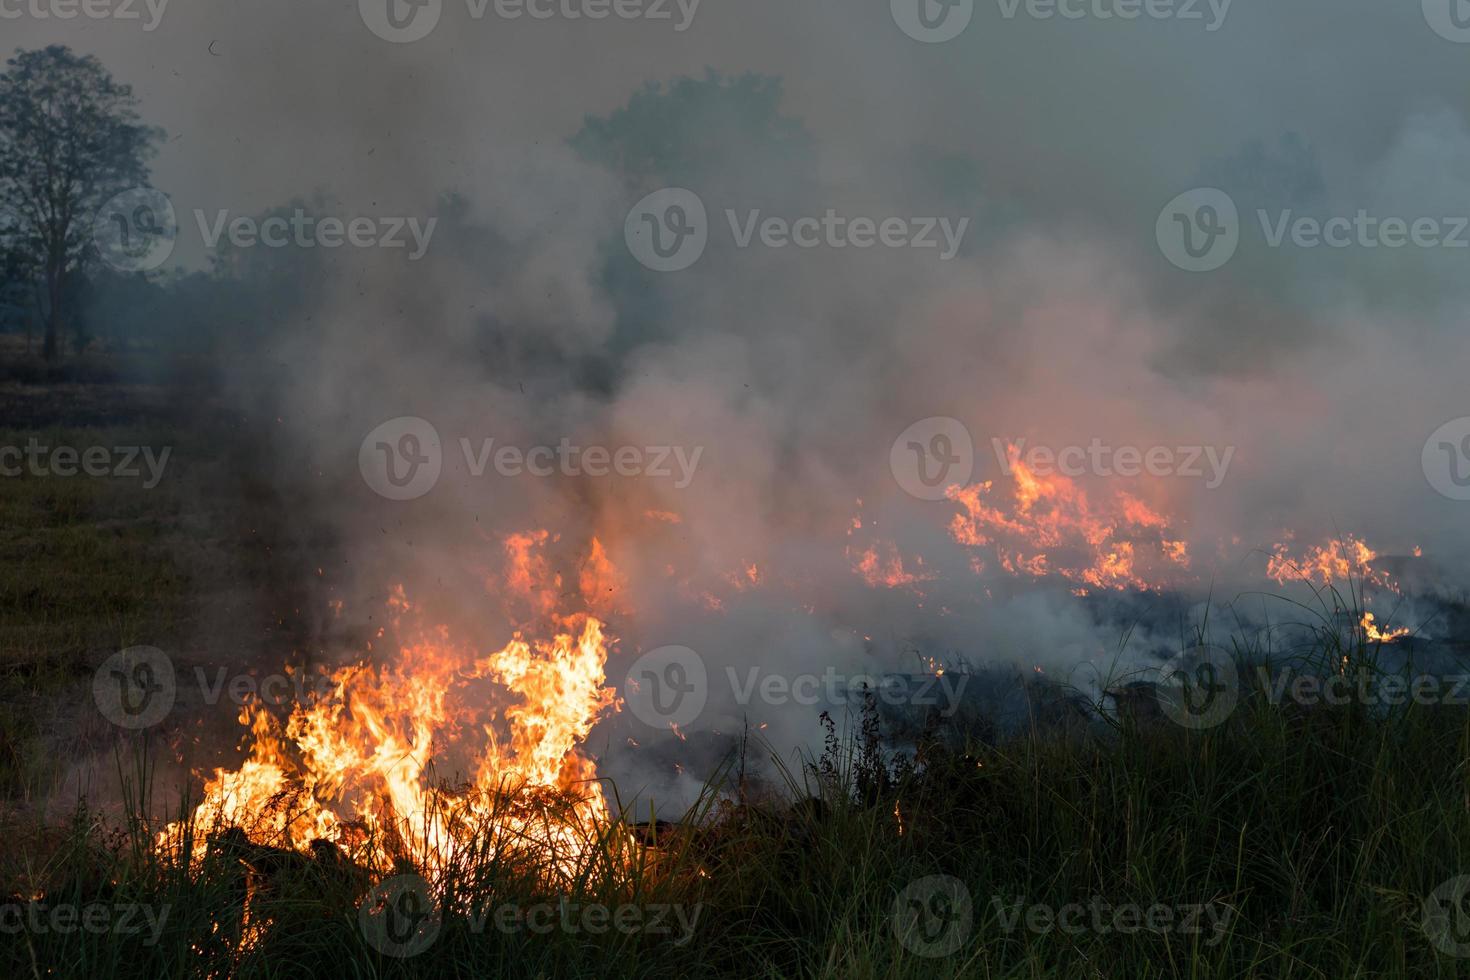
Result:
x=70 y=139
x=726 y=139
x=17 y=281
x=713 y=134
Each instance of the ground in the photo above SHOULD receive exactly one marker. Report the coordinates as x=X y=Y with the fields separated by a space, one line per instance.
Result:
x=1283 y=844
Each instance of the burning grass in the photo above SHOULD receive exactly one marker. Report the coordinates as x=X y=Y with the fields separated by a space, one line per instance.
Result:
x=1314 y=833
x=1320 y=831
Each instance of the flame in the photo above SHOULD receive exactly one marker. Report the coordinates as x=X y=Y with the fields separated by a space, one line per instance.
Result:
x=1340 y=559
x=888 y=570
x=358 y=768
x=1375 y=635
x=1051 y=526
x=603 y=586
x=528 y=575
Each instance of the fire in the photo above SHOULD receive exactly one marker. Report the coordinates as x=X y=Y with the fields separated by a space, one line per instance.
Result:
x=1050 y=526
x=528 y=575
x=358 y=768
x=1373 y=634
x=1339 y=560
x=888 y=570
x=602 y=585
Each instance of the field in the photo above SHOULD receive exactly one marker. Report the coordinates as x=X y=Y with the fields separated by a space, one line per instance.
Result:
x=1286 y=842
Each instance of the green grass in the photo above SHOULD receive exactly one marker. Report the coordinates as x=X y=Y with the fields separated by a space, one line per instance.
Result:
x=1315 y=834
x=85 y=566
x=88 y=570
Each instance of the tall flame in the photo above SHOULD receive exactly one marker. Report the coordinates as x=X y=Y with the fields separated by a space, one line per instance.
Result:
x=358 y=768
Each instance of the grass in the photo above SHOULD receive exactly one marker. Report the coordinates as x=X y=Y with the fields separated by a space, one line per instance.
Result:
x=1310 y=836
x=87 y=571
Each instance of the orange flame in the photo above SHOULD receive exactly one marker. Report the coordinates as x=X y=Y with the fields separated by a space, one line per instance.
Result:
x=888 y=570
x=357 y=768
x=1339 y=560
x=1052 y=527
x=1373 y=634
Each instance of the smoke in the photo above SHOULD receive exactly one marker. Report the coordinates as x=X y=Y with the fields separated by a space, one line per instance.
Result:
x=792 y=371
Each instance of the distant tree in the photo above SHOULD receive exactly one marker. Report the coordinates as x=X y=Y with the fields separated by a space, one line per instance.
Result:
x=709 y=134
x=69 y=140
x=727 y=139
x=17 y=279
x=1285 y=175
